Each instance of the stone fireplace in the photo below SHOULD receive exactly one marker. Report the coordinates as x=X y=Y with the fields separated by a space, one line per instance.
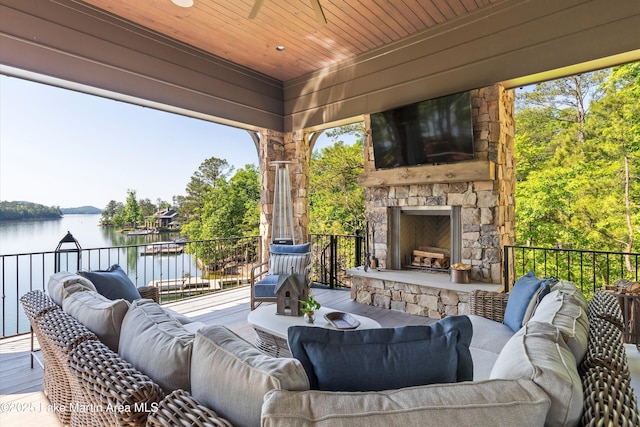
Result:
x=465 y=208
x=474 y=200
x=423 y=237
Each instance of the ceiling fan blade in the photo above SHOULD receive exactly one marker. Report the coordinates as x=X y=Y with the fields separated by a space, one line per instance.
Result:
x=256 y=7
x=315 y=4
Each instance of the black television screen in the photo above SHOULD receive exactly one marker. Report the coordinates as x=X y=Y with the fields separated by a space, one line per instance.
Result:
x=429 y=132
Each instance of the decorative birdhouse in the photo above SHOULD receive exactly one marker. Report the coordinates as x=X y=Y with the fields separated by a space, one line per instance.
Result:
x=290 y=290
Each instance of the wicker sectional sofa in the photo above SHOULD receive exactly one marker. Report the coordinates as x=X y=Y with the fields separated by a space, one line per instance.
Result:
x=229 y=382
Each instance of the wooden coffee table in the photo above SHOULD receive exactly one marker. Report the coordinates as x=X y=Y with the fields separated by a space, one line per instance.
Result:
x=271 y=328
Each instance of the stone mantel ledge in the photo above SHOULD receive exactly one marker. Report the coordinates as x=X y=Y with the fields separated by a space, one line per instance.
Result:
x=415 y=292
x=424 y=278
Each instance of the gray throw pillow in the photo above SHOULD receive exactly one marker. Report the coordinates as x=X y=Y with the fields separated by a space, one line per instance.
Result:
x=385 y=358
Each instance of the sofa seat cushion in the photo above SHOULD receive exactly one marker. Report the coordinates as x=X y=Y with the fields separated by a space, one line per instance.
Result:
x=63 y=284
x=100 y=315
x=113 y=283
x=496 y=403
x=157 y=344
x=489 y=337
x=522 y=299
x=385 y=358
x=231 y=376
x=565 y=312
x=538 y=352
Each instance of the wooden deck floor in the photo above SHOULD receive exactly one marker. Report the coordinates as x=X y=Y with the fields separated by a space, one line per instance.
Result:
x=22 y=401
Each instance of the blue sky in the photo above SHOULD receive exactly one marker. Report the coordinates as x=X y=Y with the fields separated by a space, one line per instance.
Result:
x=65 y=148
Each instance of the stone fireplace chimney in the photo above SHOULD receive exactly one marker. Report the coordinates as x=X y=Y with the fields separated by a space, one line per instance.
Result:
x=476 y=197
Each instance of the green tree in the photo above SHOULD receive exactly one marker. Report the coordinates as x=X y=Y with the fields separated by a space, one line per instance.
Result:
x=108 y=213
x=147 y=207
x=10 y=211
x=336 y=199
x=199 y=203
x=577 y=151
x=211 y=173
x=615 y=129
x=132 y=212
x=234 y=208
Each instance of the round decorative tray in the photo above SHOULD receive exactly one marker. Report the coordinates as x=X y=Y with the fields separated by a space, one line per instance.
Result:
x=341 y=320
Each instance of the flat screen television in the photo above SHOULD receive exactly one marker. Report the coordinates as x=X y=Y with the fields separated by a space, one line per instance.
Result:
x=434 y=131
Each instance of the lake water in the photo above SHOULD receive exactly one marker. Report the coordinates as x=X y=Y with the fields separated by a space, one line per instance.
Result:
x=41 y=236
x=19 y=274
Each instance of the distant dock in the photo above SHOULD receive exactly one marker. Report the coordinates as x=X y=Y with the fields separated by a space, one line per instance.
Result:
x=163 y=248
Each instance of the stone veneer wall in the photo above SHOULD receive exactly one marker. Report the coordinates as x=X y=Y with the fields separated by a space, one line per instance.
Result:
x=422 y=300
x=488 y=206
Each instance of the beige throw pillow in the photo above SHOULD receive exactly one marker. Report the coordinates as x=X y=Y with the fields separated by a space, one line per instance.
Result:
x=231 y=376
x=157 y=344
x=100 y=315
x=63 y=284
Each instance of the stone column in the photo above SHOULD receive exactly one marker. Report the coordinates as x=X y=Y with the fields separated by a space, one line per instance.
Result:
x=293 y=147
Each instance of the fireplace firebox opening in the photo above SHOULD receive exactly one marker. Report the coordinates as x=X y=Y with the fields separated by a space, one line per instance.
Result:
x=424 y=237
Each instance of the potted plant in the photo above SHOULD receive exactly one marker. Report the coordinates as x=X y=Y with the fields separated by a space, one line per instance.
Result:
x=309 y=308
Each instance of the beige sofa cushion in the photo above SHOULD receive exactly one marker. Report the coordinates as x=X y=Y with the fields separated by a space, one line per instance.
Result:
x=231 y=376
x=157 y=344
x=100 y=315
x=571 y=289
x=565 y=312
x=493 y=403
x=63 y=284
x=489 y=337
x=538 y=352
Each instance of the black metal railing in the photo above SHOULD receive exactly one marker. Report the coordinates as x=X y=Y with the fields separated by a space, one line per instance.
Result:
x=190 y=268
x=333 y=255
x=179 y=270
x=590 y=270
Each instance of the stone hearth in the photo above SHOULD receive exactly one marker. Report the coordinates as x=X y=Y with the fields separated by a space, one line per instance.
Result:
x=414 y=292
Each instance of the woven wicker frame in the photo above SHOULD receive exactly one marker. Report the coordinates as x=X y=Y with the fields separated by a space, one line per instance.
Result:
x=111 y=383
x=149 y=292
x=60 y=334
x=490 y=305
x=181 y=409
x=36 y=303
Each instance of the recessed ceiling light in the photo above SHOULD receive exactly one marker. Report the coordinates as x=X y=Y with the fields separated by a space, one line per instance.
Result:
x=280 y=48
x=183 y=3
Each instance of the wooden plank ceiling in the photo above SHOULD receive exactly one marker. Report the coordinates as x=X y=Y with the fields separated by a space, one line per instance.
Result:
x=223 y=27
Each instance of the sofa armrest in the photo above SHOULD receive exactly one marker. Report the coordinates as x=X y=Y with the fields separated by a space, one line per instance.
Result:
x=112 y=382
x=150 y=292
x=258 y=271
x=490 y=305
x=180 y=408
